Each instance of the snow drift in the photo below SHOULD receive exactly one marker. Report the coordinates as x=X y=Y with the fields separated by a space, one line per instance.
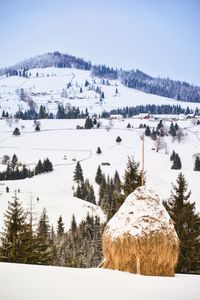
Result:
x=140 y=238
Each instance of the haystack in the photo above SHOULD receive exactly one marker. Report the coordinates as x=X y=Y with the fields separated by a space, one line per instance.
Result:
x=140 y=238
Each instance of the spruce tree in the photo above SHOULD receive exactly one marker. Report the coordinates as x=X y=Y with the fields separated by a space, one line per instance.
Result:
x=172 y=157
x=117 y=182
x=47 y=165
x=197 y=164
x=16 y=236
x=118 y=140
x=147 y=131
x=132 y=177
x=78 y=173
x=43 y=239
x=187 y=225
x=16 y=131
x=176 y=162
x=98 y=150
x=99 y=175
x=39 y=168
x=60 y=227
x=88 y=123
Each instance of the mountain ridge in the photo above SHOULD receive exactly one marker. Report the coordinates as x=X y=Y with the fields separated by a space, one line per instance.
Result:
x=166 y=87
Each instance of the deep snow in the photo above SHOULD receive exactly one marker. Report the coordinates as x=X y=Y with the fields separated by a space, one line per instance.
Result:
x=22 y=282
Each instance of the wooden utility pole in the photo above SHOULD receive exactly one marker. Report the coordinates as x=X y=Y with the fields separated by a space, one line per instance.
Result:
x=142 y=139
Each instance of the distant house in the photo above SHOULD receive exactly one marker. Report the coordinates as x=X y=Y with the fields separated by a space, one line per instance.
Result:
x=190 y=116
x=142 y=116
x=116 y=117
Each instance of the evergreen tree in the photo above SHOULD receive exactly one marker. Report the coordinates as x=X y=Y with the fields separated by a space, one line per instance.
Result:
x=43 y=239
x=73 y=224
x=37 y=128
x=16 y=131
x=187 y=225
x=47 y=165
x=99 y=175
x=197 y=164
x=176 y=162
x=78 y=173
x=98 y=150
x=42 y=112
x=132 y=177
x=128 y=125
x=60 y=227
x=172 y=130
x=117 y=182
x=147 y=131
x=118 y=140
x=39 y=168
x=15 y=237
x=88 y=123
x=173 y=155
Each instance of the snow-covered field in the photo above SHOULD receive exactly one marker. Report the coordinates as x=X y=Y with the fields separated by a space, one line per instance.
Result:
x=49 y=283
x=60 y=138
x=51 y=87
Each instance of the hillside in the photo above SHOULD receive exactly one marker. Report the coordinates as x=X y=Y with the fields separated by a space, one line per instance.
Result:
x=58 y=139
x=50 y=283
x=181 y=91
x=69 y=87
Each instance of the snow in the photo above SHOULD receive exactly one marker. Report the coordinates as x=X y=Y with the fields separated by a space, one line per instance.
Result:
x=141 y=213
x=49 y=283
x=50 y=88
x=59 y=138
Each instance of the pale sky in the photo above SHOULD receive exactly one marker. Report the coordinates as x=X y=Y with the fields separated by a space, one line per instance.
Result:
x=160 y=37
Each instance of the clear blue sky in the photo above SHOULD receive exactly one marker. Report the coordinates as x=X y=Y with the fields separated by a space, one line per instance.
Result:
x=160 y=37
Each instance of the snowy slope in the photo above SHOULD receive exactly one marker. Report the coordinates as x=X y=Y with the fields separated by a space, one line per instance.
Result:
x=49 y=283
x=59 y=138
x=50 y=87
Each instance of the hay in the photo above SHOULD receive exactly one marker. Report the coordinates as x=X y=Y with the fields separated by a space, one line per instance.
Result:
x=152 y=252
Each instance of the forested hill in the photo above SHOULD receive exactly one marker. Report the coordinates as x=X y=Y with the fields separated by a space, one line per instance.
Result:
x=136 y=79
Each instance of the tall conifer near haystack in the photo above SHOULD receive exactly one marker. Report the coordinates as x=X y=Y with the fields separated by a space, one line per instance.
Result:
x=187 y=225
x=132 y=177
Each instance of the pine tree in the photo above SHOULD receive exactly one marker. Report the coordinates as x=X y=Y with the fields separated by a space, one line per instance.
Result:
x=73 y=224
x=197 y=164
x=88 y=123
x=98 y=150
x=147 y=131
x=187 y=225
x=78 y=173
x=132 y=177
x=117 y=182
x=99 y=175
x=176 y=162
x=37 y=128
x=60 y=227
x=172 y=157
x=43 y=239
x=16 y=235
x=47 y=165
x=118 y=140
x=16 y=131
x=39 y=168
